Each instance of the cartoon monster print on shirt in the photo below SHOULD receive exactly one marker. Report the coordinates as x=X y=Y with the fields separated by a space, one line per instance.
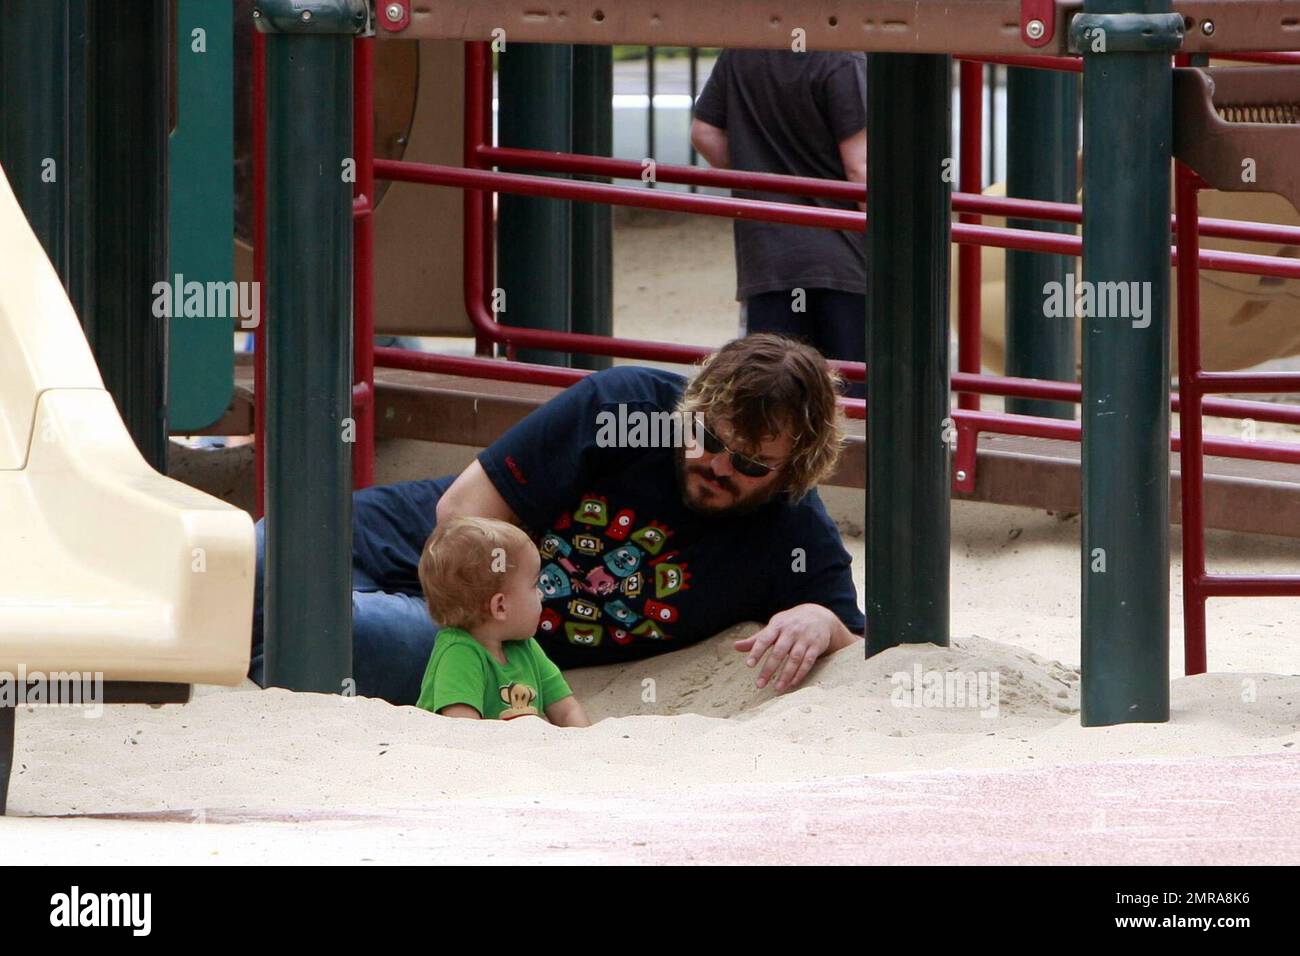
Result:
x=606 y=575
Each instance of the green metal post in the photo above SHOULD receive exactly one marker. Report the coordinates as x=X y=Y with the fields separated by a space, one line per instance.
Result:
x=1127 y=137
x=78 y=277
x=1042 y=150
x=200 y=360
x=308 y=609
x=127 y=118
x=535 y=239
x=34 y=118
x=909 y=124
x=593 y=261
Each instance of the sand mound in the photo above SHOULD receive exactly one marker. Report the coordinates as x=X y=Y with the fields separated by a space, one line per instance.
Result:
x=711 y=679
x=277 y=751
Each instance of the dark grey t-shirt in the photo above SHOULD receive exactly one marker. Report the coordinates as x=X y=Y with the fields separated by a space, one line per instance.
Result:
x=787 y=112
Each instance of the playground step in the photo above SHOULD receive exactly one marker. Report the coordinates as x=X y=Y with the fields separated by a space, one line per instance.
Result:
x=1251 y=496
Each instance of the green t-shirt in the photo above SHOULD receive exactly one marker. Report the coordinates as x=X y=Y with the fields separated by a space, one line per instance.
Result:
x=461 y=671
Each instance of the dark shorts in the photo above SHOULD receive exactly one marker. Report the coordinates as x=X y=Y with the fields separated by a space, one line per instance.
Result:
x=833 y=322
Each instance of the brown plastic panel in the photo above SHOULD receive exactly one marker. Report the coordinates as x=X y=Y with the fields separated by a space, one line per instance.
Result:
x=1239 y=127
x=989 y=27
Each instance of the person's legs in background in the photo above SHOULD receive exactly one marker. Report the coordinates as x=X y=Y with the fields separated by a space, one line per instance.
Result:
x=839 y=329
x=775 y=312
x=833 y=322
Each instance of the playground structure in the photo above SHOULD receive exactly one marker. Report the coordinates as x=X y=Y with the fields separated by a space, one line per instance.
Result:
x=315 y=369
x=1125 y=457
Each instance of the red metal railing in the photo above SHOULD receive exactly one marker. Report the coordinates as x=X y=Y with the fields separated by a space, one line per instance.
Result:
x=479 y=183
x=363 y=271
x=971 y=104
x=1194 y=383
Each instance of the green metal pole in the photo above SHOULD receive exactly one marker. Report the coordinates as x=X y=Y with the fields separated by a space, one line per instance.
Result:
x=1127 y=137
x=909 y=124
x=126 y=117
x=103 y=215
x=593 y=262
x=77 y=279
x=200 y=359
x=43 y=61
x=308 y=609
x=33 y=118
x=535 y=239
x=1042 y=146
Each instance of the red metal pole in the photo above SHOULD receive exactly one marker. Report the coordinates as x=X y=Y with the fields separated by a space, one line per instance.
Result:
x=525 y=185
x=478 y=367
x=1249 y=231
x=758 y=210
x=533 y=159
x=1064 y=64
x=1250 y=585
x=511 y=371
x=1278 y=58
x=488 y=246
x=968 y=256
x=1268 y=383
x=477 y=246
x=1247 y=264
x=259 y=273
x=963 y=201
x=1191 y=450
x=363 y=271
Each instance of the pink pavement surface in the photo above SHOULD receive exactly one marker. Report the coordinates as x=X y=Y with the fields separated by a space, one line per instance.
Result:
x=1223 y=811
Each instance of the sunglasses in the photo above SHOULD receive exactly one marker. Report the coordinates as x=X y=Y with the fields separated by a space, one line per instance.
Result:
x=742 y=463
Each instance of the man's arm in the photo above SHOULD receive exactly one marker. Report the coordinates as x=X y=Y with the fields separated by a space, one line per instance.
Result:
x=711 y=143
x=473 y=494
x=853 y=153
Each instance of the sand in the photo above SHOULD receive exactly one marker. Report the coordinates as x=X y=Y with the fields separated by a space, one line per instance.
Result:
x=246 y=775
x=690 y=762
x=275 y=776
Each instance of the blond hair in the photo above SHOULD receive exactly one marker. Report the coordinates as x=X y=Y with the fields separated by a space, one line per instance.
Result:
x=764 y=385
x=464 y=563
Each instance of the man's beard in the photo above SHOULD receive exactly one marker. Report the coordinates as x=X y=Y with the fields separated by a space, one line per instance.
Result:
x=741 y=506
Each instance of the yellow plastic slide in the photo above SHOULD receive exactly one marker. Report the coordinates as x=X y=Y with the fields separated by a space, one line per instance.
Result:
x=106 y=566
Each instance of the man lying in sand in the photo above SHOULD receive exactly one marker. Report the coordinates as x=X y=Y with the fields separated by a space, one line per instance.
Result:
x=646 y=546
x=480 y=580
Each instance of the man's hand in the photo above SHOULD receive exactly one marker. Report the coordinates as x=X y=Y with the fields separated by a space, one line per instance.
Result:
x=793 y=641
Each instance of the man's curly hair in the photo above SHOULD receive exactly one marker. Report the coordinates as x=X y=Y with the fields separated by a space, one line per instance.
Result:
x=764 y=385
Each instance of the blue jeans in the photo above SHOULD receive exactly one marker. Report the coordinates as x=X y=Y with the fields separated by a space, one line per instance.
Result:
x=392 y=637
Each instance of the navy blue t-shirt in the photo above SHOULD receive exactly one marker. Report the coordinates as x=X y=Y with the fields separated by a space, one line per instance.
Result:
x=628 y=570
